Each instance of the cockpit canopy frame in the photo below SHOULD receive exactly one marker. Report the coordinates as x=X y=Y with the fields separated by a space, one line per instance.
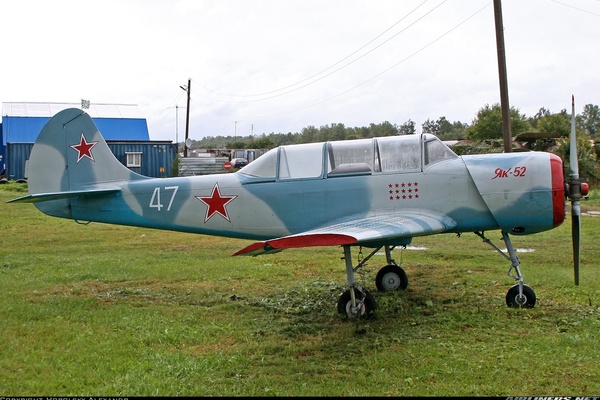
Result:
x=381 y=155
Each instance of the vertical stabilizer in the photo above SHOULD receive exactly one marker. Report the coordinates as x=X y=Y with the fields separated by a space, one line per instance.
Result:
x=71 y=155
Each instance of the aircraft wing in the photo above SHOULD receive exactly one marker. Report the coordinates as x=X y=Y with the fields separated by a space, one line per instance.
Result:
x=387 y=227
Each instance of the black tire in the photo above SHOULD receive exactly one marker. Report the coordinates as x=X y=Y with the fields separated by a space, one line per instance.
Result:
x=391 y=277
x=514 y=301
x=345 y=303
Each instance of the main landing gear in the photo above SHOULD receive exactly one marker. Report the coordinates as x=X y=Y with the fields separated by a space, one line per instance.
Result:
x=519 y=295
x=358 y=302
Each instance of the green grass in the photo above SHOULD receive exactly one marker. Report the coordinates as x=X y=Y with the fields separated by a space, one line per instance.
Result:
x=120 y=311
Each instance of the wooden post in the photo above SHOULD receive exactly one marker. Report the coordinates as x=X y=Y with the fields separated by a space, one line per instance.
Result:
x=187 y=118
x=506 y=128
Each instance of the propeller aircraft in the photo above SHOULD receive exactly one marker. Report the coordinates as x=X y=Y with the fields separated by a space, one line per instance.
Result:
x=373 y=193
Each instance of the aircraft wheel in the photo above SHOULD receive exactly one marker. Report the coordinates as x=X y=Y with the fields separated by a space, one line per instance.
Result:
x=365 y=308
x=391 y=277
x=527 y=300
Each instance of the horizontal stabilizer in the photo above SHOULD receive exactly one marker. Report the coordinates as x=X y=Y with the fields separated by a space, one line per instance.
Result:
x=39 y=197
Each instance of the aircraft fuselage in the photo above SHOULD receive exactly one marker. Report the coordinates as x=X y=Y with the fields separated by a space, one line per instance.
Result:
x=520 y=193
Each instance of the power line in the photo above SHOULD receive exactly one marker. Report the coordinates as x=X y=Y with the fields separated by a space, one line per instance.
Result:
x=311 y=78
x=575 y=8
x=380 y=73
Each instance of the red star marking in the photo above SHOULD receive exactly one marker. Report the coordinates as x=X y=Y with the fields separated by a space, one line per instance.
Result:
x=215 y=204
x=84 y=148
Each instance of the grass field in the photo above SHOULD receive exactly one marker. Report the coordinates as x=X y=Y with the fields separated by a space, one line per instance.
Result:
x=102 y=310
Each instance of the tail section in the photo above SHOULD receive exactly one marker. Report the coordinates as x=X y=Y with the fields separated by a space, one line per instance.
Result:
x=70 y=158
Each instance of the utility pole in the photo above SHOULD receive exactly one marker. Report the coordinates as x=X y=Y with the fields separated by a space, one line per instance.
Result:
x=187 y=116
x=506 y=129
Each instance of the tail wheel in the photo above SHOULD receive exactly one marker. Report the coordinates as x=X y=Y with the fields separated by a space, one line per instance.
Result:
x=365 y=304
x=391 y=277
x=515 y=300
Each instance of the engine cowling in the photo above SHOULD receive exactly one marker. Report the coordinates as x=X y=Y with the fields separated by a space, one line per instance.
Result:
x=524 y=191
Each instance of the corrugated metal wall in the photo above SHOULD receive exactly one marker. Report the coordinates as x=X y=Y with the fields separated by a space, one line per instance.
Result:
x=157 y=157
x=16 y=155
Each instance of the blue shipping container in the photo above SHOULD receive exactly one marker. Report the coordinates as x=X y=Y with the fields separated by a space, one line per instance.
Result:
x=154 y=159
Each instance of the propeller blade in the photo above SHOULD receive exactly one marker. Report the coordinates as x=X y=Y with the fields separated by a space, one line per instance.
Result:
x=575 y=195
x=573 y=163
x=575 y=233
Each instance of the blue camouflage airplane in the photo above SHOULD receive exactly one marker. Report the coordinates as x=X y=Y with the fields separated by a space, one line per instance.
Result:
x=373 y=193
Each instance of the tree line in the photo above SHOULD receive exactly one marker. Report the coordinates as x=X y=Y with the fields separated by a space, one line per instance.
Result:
x=487 y=125
x=549 y=131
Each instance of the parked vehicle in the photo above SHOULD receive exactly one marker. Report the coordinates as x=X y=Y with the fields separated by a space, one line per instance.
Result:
x=239 y=162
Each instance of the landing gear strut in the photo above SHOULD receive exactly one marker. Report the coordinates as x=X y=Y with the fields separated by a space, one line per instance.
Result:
x=519 y=295
x=358 y=302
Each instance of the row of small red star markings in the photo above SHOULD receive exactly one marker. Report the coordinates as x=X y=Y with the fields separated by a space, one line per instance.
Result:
x=403 y=191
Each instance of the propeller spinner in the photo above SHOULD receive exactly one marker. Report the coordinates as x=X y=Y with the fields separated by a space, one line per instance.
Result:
x=575 y=190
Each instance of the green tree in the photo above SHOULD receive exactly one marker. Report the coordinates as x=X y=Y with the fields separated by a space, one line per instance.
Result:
x=407 y=128
x=309 y=134
x=445 y=129
x=556 y=124
x=586 y=157
x=590 y=120
x=338 y=131
x=430 y=126
x=385 y=128
x=488 y=123
x=457 y=130
x=261 y=143
x=542 y=112
x=357 y=133
x=236 y=144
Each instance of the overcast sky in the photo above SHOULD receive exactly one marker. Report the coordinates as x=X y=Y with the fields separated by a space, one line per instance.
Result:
x=262 y=66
